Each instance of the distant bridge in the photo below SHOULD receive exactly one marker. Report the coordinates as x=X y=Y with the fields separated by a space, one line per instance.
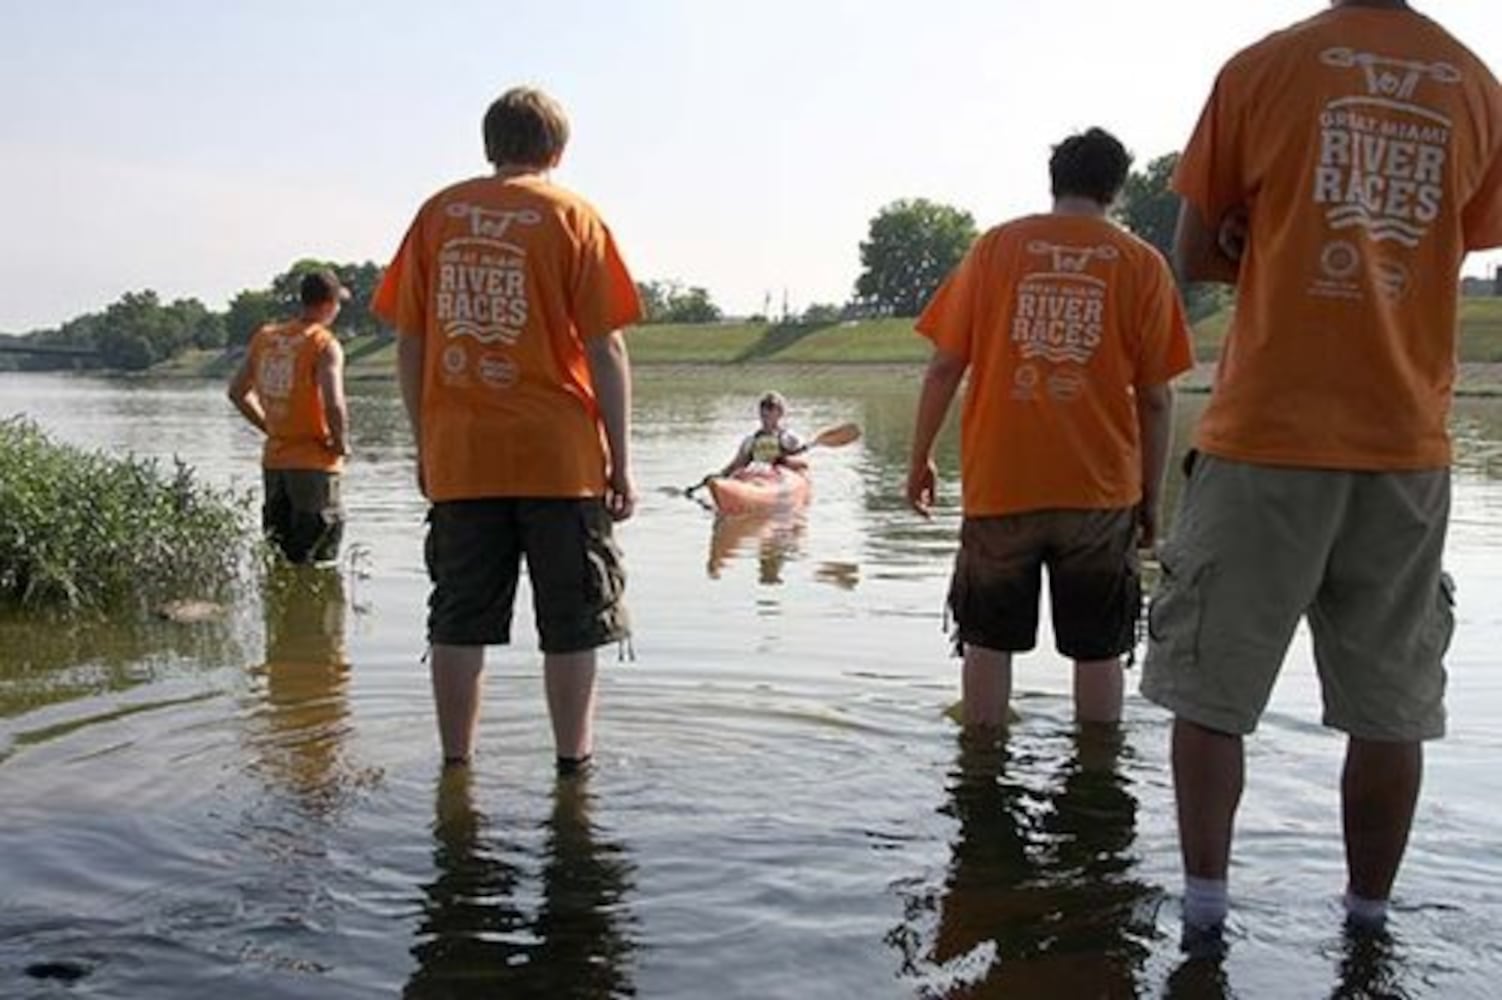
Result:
x=16 y=345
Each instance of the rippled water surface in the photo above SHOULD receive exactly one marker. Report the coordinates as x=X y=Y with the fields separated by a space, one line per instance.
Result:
x=253 y=807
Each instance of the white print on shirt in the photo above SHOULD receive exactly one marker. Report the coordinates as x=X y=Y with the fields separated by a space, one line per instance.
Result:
x=276 y=373
x=482 y=278
x=1059 y=314
x=1382 y=154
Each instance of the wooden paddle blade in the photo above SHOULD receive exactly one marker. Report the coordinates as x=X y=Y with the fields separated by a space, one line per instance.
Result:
x=837 y=436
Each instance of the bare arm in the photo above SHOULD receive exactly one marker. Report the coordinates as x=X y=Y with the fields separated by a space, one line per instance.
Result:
x=331 y=386
x=610 y=370
x=1199 y=250
x=242 y=392
x=409 y=375
x=1155 y=431
x=740 y=461
x=940 y=382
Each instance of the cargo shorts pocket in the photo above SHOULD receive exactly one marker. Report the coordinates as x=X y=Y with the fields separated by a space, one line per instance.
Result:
x=1442 y=621
x=605 y=573
x=1176 y=611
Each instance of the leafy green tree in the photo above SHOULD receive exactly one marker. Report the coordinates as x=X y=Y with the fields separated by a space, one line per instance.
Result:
x=653 y=296
x=250 y=310
x=670 y=302
x=355 y=319
x=821 y=314
x=911 y=247
x=1149 y=207
x=692 y=305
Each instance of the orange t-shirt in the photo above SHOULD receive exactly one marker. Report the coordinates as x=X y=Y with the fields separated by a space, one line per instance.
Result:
x=284 y=361
x=504 y=279
x=1367 y=146
x=1061 y=318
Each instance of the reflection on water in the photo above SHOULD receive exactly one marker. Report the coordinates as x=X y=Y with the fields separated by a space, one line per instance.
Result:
x=476 y=938
x=1040 y=898
x=778 y=811
x=772 y=538
x=300 y=718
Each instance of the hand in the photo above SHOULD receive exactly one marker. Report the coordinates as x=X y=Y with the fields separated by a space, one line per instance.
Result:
x=1147 y=523
x=620 y=496
x=1235 y=229
x=922 y=488
x=340 y=448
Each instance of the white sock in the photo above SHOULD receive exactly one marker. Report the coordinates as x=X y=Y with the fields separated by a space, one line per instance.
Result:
x=1206 y=901
x=1366 y=912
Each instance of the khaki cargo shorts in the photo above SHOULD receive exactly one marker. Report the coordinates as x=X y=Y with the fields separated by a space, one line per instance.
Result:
x=474 y=552
x=1255 y=548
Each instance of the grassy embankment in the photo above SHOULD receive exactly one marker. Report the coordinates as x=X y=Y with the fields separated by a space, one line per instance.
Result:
x=870 y=342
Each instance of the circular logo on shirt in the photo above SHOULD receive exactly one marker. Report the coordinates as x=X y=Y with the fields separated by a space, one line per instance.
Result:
x=1340 y=259
x=1025 y=382
x=455 y=358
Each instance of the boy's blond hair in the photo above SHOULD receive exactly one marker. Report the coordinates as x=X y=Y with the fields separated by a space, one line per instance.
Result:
x=525 y=127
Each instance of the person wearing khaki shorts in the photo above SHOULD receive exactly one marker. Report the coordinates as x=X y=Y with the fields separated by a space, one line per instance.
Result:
x=1322 y=487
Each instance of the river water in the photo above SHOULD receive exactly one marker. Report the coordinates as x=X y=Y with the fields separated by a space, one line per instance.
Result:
x=254 y=807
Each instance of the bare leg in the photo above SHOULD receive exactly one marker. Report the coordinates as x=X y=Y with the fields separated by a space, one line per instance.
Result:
x=986 y=685
x=1208 y=772
x=1379 y=789
x=570 y=680
x=1097 y=690
x=456 y=672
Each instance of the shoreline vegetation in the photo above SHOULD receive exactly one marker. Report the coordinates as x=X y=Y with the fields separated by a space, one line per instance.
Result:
x=91 y=531
x=874 y=343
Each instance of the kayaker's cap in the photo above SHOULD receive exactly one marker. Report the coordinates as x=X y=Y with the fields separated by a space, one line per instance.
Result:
x=321 y=286
x=771 y=399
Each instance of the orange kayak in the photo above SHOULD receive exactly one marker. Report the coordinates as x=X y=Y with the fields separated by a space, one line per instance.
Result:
x=763 y=492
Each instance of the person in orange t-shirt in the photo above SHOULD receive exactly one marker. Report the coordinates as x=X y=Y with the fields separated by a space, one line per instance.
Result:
x=291 y=387
x=1340 y=172
x=1071 y=329
x=509 y=296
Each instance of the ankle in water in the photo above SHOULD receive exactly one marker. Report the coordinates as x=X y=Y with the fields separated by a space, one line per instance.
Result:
x=570 y=766
x=1206 y=902
x=1365 y=913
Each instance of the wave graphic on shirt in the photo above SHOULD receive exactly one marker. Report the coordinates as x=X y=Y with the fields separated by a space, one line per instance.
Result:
x=484 y=333
x=1058 y=354
x=1380 y=228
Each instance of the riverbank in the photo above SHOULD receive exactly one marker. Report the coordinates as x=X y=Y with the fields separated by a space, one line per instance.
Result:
x=865 y=343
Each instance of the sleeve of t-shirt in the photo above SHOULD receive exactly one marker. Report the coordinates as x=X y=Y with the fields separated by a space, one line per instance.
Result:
x=604 y=295
x=1211 y=172
x=1166 y=348
x=1482 y=218
x=401 y=299
x=949 y=318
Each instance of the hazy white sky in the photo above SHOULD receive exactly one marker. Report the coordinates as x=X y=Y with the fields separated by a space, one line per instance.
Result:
x=200 y=147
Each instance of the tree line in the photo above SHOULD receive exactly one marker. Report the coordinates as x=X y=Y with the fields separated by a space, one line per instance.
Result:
x=910 y=246
x=139 y=330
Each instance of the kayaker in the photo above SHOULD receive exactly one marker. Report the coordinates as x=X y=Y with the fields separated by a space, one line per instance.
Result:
x=771 y=445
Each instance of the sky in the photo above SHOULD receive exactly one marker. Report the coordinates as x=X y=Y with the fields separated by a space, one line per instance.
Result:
x=199 y=148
